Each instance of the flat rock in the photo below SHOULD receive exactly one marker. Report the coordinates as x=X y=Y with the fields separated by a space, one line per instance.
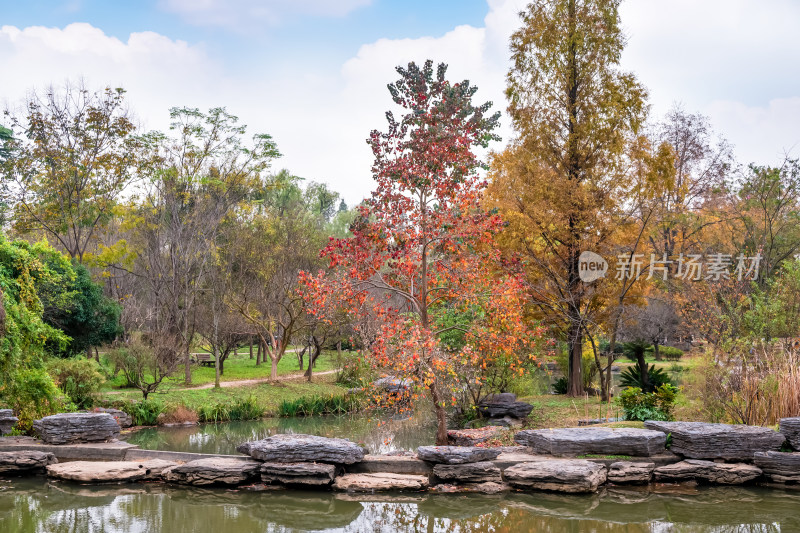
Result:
x=123 y=419
x=213 y=471
x=456 y=455
x=315 y=474
x=489 y=487
x=108 y=471
x=481 y=472
x=718 y=473
x=630 y=472
x=501 y=409
x=289 y=448
x=780 y=467
x=25 y=462
x=7 y=421
x=590 y=440
x=471 y=437
x=701 y=440
x=380 y=482
x=71 y=428
x=571 y=476
x=789 y=427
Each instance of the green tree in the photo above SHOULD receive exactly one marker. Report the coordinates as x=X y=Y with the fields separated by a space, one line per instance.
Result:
x=71 y=158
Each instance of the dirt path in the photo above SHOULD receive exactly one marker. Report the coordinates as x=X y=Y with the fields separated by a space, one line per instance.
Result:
x=240 y=382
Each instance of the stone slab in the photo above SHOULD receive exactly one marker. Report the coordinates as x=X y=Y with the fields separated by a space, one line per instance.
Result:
x=108 y=471
x=25 y=462
x=481 y=472
x=391 y=464
x=701 y=440
x=565 y=475
x=716 y=473
x=215 y=471
x=592 y=440
x=629 y=472
x=380 y=482
x=313 y=474
x=779 y=467
x=291 y=448
x=791 y=428
x=72 y=428
x=453 y=455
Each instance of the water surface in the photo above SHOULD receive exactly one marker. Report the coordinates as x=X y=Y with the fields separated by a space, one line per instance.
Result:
x=38 y=506
x=378 y=435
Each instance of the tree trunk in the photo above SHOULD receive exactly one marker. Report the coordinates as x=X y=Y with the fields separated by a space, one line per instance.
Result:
x=273 y=373
x=187 y=365
x=258 y=354
x=656 y=351
x=251 y=349
x=643 y=370
x=575 y=347
x=441 y=417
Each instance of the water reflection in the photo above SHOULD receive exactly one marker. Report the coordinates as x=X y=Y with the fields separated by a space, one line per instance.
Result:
x=379 y=436
x=40 y=506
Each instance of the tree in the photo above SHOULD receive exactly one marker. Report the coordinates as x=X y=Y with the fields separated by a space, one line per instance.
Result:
x=194 y=182
x=69 y=162
x=90 y=320
x=576 y=115
x=423 y=245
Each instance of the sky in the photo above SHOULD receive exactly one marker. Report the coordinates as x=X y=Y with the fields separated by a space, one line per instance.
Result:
x=313 y=73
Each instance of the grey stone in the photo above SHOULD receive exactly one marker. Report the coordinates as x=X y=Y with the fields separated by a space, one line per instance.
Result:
x=505 y=422
x=25 y=462
x=500 y=397
x=493 y=409
x=560 y=475
x=393 y=385
x=380 y=482
x=213 y=471
x=289 y=448
x=314 y=474
x=701 y=440
x=123 y=419
x=70 y=428
x=779 y=467
x=7 y=421
x=592 y=440
x=630 y=472
x=109 y=471
x=791 y=428
x=489 y=487
x=481 y=472
x=456 y=455
x=471 y=437
x=718 y=473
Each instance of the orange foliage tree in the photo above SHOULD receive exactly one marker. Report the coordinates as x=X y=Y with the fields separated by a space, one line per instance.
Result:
x=421 y=260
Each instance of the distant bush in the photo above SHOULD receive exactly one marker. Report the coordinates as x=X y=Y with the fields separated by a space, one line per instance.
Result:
x=669 y=353
x=352 y=370
x=640 y=405
x=177 y=414
x=79 y=378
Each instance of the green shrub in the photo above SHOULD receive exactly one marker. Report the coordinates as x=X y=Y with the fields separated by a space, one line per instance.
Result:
x=79 y=378
x=588 y=366
x=561 y=385
x=352 y=370
x=144 y=412
x=31 y=393
x=669 y=353
x=631 y=377
x=640 y=405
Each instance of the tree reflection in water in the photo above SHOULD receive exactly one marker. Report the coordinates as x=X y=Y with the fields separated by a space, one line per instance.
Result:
x=36 y=505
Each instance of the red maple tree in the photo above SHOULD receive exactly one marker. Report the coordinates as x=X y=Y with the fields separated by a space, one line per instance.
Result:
x=422 y=260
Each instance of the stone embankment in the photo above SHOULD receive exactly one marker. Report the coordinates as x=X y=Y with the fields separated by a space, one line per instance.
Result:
x=570 y=460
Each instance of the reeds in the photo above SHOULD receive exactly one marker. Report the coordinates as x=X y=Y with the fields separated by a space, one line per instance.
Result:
x=242 y=409
x=319 y=405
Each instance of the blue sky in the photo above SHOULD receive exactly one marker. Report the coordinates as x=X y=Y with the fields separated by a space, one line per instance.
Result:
x=313 y=72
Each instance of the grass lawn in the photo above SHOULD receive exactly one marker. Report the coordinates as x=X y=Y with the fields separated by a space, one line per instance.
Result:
x=268 y=395
x=239 y=367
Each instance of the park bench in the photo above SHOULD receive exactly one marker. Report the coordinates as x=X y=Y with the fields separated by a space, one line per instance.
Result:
x=204 y=359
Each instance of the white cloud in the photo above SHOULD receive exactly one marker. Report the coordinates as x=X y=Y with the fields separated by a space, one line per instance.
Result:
x=731 y=61
x=239 y=13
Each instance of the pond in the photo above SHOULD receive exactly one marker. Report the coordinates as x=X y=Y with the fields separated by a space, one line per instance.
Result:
x=37 y=505
x=378 y=435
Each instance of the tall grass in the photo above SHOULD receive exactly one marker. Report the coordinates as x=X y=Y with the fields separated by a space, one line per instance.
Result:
x=755 y=384
x=242 y=409
x=319 y=405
